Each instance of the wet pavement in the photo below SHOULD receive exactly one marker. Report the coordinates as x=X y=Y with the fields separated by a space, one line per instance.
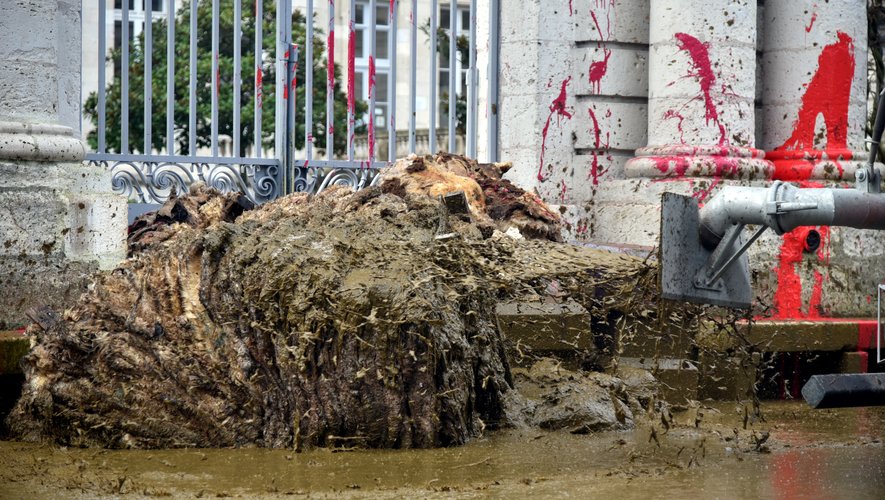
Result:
x=795 y=453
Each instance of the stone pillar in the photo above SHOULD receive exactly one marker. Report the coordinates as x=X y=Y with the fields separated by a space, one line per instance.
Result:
x=572 y=99
x=814 y=88
x=701 y=121
x=59 y=220
x=814 y=78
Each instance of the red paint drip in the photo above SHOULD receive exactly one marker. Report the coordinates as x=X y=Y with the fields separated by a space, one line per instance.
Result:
x=598 y=69
x=259 y=86
x=672 y=113
x=371 y=118
x=788 y=296
x=595 y=170
x=788 y=302
x=571 y=9
x=557 y=107
x=703 y=71
x=811 y=23
x=286 y=88
x=827 y=94
x=217 y=76
x=351 y=75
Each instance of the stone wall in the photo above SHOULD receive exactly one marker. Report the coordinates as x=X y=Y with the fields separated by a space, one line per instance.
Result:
x=606 y=104
x=60 y=221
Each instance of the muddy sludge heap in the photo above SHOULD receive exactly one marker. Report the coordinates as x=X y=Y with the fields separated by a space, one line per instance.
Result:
x=340 y=319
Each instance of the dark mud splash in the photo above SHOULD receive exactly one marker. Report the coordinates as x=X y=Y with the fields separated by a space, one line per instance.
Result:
x=338 y=320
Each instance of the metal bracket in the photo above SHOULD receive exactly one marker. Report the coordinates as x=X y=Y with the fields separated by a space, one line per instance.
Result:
x=686 y=264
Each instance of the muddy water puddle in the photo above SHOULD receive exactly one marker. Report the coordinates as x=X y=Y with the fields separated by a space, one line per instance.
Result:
x=794 y=453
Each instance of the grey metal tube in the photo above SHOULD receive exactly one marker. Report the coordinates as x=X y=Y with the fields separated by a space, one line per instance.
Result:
x=102 y=70
x=148 y=75
x=783 y=208
x=170 y=77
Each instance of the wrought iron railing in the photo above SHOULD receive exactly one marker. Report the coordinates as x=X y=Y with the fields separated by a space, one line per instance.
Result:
x=149 y=174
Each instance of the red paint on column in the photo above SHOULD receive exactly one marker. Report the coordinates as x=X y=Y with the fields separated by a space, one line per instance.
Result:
x=672 y=113
x=598 y=69
x=558 y=108
x=571 y=9
x=811 y=22
x=788 y=302
x=703 y=71
x=827 y=94
x=595 y=170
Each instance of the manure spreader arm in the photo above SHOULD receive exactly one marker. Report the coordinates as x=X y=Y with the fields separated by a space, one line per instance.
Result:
x=703 y=250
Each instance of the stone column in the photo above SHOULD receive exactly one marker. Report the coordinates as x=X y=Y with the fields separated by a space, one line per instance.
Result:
x=814 y=91
x=701 y=124
x=59 y=219
x=814 y=88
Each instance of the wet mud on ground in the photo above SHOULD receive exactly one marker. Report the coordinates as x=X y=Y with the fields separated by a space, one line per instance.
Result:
x=795 y=453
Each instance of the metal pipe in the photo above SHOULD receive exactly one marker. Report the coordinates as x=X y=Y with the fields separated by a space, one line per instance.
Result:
x=330 y=84
x=192 y=84
x=434 y=8
x=216 y=83
x=471 y=85
x=170 y=77
x=783 y=208
x=258 y=104
x=237 y=130
x=308 y=83
x=371 y=18
x=391 y=82
x=453 y=68
x=493 y=80
x=413 y=72
x=148 y=50
x=351 y=79
x=102 y=69
x=124 y=83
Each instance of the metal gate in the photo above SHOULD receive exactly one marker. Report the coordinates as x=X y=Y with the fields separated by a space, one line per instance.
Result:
x=147 y=170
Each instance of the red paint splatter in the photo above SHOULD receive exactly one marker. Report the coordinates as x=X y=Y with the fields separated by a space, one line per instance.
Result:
x=788 y=301
x=557 y=107
x=571 y=9
x=703 y=71
x=811 y=23
x=598 y=69
x=672 y=113
x=595 y=170
x=392 y=2
x=826 y=95
x=286 y=88
x=351 y=76
x=371 y=118
x=788 y=296
x=259 y=86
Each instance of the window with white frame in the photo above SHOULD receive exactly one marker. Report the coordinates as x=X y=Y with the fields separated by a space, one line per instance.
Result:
x=362 y=25
x=461 y=67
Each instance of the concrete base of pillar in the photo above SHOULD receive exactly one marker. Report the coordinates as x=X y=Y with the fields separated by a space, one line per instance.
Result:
x=60 y=223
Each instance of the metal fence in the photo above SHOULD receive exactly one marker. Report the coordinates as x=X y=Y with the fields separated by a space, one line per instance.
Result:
x=148 y=174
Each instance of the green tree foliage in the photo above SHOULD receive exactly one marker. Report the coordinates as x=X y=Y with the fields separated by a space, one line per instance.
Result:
x=226 y=74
